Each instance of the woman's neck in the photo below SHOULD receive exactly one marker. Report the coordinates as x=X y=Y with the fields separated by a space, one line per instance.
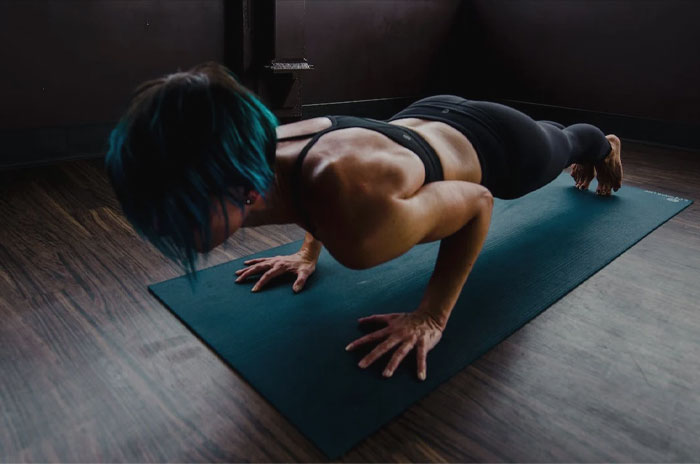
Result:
x=279 y=206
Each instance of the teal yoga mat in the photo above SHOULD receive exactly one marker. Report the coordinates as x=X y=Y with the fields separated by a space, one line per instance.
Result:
x=290 y=347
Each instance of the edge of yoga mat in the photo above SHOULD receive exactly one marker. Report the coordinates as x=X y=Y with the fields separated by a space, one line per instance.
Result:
x=497 y=337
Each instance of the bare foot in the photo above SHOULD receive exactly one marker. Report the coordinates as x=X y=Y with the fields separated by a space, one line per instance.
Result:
x=609 y=170
x=583 y=174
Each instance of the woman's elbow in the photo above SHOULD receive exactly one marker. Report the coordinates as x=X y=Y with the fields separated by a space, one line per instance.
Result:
x=486 y=198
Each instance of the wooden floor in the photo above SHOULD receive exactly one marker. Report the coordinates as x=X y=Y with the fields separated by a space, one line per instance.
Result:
x=93 y=368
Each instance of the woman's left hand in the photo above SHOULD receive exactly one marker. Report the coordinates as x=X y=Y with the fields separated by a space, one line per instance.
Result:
x=417 y=330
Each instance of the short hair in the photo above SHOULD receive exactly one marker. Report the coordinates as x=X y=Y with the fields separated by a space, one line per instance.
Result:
x=185 y=139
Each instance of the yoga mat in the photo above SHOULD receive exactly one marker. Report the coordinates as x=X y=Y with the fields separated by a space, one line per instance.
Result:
x=290 y=347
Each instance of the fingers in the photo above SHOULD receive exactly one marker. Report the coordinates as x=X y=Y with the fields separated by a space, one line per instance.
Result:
x=378 y=351
x=421 y=356
x=367 y=338
x=398 y=356
x=254 y=261
x=274 y=272
x=255 y=269
x=378 y=318
x=407 y=332
x=274 y=266
x=301 y=280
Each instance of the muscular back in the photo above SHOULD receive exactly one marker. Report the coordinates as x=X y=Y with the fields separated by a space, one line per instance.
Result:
x=365 y=195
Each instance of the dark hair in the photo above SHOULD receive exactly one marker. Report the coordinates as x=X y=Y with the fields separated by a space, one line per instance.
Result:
x=186 y=138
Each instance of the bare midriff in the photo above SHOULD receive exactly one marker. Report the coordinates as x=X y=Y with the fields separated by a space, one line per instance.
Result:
x=457 y=155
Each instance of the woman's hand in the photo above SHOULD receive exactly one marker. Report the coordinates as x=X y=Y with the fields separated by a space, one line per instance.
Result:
x=298 y=263
x=417 y=330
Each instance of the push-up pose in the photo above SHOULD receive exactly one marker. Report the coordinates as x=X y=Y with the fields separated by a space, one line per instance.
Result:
x=197 y=156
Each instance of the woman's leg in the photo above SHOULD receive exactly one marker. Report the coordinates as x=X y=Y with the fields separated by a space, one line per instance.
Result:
x=575 y=144
x=518 y=154
x=590 y=152
x=538 y=151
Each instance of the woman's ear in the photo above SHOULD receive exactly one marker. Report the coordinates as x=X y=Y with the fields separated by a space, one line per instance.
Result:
x=252 y=197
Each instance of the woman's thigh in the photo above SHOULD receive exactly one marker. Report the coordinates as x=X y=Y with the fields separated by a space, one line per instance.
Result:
x=535 y=152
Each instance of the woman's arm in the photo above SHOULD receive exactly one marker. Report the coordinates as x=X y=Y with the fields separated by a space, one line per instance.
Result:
x=455 y=260
x=457 y=212
x=311 y=248
x=302 y=263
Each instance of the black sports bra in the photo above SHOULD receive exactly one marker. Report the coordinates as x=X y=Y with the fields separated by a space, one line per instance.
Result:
x=399 y=134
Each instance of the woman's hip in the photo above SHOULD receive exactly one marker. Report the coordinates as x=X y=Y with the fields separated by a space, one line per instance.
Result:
x=499 y=134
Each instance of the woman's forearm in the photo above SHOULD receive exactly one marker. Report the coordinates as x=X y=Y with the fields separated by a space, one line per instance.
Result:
x=455 y=260
x=311 y=247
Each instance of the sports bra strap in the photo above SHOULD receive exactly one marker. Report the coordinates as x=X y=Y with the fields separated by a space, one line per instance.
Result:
x=296 y=137
x=305 y=136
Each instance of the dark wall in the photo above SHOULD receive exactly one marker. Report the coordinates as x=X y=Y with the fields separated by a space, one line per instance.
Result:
x=373 y=49
x=635 y=58
x=68 y=66
x=75 y=62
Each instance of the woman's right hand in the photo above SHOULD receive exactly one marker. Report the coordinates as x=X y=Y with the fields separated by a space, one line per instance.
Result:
x=298 y=263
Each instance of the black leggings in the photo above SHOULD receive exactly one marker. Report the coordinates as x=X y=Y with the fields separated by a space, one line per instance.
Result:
x=517 y=153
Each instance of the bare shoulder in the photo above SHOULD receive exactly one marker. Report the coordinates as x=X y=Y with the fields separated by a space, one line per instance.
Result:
x=368 y=229
x=345 y=207
x=340 y=196
x=350 y=178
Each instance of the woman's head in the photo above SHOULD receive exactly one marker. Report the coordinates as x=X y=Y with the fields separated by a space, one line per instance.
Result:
x=186 y=140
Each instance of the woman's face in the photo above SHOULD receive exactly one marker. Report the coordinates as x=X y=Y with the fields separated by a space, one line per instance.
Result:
x=219 y=232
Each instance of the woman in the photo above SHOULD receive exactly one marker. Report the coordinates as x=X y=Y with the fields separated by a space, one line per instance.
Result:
x=197 y=156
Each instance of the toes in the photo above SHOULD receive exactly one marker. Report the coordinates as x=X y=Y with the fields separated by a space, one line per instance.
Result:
x=603 y=190
x=583 y=175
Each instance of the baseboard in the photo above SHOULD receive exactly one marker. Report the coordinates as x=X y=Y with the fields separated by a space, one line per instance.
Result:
x=37 y=147
x=651 y=131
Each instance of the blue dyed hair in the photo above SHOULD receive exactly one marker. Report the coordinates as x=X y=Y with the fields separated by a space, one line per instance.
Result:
x=187 y=141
